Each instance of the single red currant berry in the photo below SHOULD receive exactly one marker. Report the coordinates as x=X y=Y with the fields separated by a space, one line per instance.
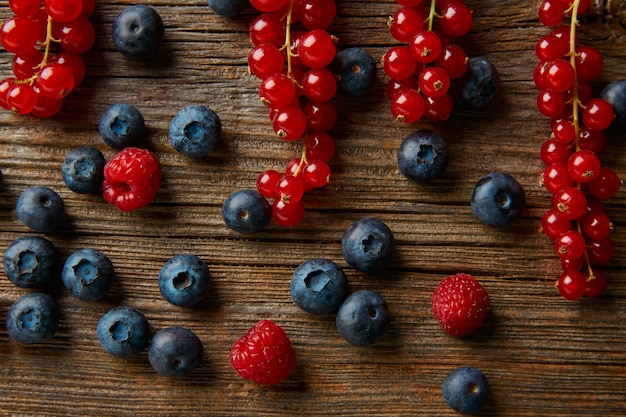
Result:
x=550 y=103
x=453 y=60
x=553 y=225
x=407 y=106
x=597 y=226
x=55 y=80
x=316 y=173
x=46 y=107
x=393 y=86
x=583 y=166
x=290 y=188
x=317 y=14
x=589 y=63
x=558 y=76
x=267 y=28
x=569 y=245
x=434 y=82
x=320 y=145
x=63 y=10
x=439 y=108
x=551 y=47
x=18 y=35
x=551 y=12
x=24 y=65
x=575 y=264
x=286 y=214
x=266 y=183
x=76 y=36
x=265 y=60
x=21 y=98
x=596 y=283
x=456 y=19
x=552 y=151
x=26 y=8
x=320 y=117
x=572 y=284
x=398 y=63
x=268 y=5
x=601 y=251
x=289 y=123
x=598 y=114
x=277 y=91
x=317 y=49
x=592 y=140
x=405 y=23
x=425 y=46
x=556 y=177
x=606 y=185
x=570 y=202
x=319 y=85
x=564 y=131
x=73 y=62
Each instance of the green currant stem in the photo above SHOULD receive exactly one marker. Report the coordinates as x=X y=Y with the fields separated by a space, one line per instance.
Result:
x=46 y=54
x=431 y=15
x=303 y=161
x=288 y=41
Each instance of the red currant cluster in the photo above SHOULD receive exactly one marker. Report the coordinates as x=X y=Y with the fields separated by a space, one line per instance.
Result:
x=422 y=69
x=291 y=55
x=576 y=222
x=43 y=77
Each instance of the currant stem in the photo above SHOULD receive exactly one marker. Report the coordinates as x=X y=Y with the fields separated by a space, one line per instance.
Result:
x=431 y=15
x=46 y=54
x=288 y=40
x=303 y=161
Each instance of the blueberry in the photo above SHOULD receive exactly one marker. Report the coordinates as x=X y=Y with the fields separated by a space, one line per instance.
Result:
x=227 y=7
x=121 y=125
x=318 y=286
x=33 y=318
x=175 y=352
x=363 y=318
x=184 y=280
x=83 y=170
x=137 y=31
x=356 y=70
x=246 y=211
x=367 y=245
x=423 y=156
x=195 y=130
x=479 y=85
x=498 y=199
x=40 y=208
x=88 y=274
x=29 y=261
x=615 y=93
x=123 y=331
x=465 y=390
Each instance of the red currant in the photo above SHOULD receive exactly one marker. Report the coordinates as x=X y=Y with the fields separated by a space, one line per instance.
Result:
x=407 y=106
x=317 y=49
x=572 y=284
x=569 y=245
x=570 y=202
x=583 y=166
x=425 y=46
x=434 y=82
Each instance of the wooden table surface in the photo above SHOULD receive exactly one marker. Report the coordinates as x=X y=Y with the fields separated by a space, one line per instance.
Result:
x=543 y=355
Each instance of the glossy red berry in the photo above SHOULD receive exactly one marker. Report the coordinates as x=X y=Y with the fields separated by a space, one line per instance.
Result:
x=316 y=14
x=553 y=225
x=267 y=28
x=18 y=35
x=21 y=98
x=321 y=117
x=321 y=146
x=572 y=284
x=596 y=226
x=551 y=12
x=598 y=114
x=405 y=23
x=596 y=283
x=286 y=214
x=456 y=19
x=266 y=183
x=268 y=5
x=584 y=166
x=265 y=60
x=316 y=173
x=556 y=177
x=434 y=81
x=289 y=123
x=63 y=10
x=425 y=46
x=570 y=202
x=290 y=188
x=319 y=84
x=316 y=49
x=569 y=245
x=558 y=76
x=606 y=185
x=55 y=80
x=277 y=91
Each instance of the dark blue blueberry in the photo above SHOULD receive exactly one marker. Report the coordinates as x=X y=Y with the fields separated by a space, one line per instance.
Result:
x=227 y=7
x=479 y=85
x=175 y=352
x=88 y=274
x=40 y=208
x=246 y=211
x=29 y=261
x=498 y=199
x=423 y=156
x=137 y=31
x=121 y=125
x=195 y=130
x=615 y=93
x=367 y=245
x=318 y=286
x=465 y=390
x=184 y=280
x=83 y=170
x=363 y=318
x=356 y=69
x=33 y=318
x=123 y=331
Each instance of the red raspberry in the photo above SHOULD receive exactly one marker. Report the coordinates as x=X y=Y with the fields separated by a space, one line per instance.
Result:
x=131 y=178
x=264 y=354
x=460 y=304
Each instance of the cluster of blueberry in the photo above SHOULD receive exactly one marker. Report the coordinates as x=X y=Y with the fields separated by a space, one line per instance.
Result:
x=47 y=39
x=576 y=222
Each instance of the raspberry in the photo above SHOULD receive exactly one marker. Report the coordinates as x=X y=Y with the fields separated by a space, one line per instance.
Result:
x=460 y=304
x=264 y=354
x=131 y=179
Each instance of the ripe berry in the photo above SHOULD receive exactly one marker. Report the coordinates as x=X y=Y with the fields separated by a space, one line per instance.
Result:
x=29 y=261
x=131 y=178
x=584 y=166
x=227 y=8
x=316 y=49
x=367 y=245
x=356 y=70
x=465 y=390
x=422 y=156
x=572 y=284
x=123 y=331
x=363 y=318
x=175 y=352
x=318 y=286
x=184 y=280
x=498 y=199
x=598 y=114
x=615 y=94
x=121 y=125
x=456 y=19
x=460 y=304
x=40 y=208
x=264 y=354
x=425 y=46
x=246 y=211
x=195 y=130
x=137 y=31
x=479 y=84
x=83 y=170
x=33 y=318
x=88 y=274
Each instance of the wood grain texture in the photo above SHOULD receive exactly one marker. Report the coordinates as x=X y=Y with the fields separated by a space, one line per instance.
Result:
x=541 y=354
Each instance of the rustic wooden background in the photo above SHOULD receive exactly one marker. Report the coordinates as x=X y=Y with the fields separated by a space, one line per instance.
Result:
x=542 y=355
